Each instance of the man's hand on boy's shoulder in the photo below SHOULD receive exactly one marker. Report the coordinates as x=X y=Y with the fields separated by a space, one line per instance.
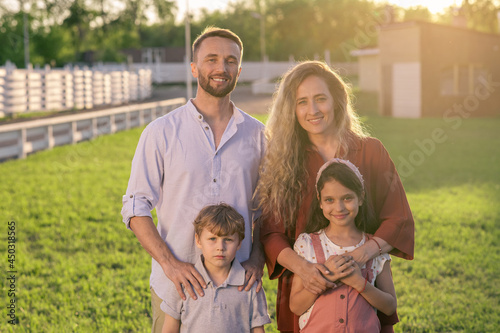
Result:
x=254 y=270
x=185 y=274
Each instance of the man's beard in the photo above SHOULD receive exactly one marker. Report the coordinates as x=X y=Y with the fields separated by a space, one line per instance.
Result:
x=222 y=92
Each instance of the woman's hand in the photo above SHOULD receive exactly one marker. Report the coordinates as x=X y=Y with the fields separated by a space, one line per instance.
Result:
x=313 y=277
x=339 y=267
x=370 y=249
x=362 y=254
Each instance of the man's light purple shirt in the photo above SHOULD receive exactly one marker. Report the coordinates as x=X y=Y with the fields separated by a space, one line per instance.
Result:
x=178 y=170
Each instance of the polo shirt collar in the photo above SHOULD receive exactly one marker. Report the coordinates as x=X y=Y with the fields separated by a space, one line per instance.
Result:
x=236 y=275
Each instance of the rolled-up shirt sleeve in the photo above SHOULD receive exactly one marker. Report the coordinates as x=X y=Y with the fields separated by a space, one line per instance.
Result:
x=258 y=315
x=397 y=226
x=146 y=176
x=172 y=304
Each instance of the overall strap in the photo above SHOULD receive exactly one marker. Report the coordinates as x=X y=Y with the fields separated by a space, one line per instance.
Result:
x=318 y=250
x=367 y=270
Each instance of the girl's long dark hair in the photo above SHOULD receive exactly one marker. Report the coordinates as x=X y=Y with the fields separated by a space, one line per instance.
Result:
x=364 y=221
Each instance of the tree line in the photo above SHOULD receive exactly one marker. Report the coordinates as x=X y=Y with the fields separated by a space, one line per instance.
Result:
x=66 y=31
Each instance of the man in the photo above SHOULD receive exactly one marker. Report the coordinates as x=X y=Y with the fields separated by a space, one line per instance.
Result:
x=205 y=152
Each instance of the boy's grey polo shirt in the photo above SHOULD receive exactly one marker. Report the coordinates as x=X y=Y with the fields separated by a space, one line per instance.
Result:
x=222 y=309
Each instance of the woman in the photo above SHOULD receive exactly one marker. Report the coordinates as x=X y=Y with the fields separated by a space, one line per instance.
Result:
x=312 y=121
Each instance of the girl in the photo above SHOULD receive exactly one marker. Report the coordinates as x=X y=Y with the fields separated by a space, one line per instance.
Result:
x=337 y=223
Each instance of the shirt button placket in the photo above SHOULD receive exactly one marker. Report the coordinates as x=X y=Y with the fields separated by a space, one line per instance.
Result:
x=216 y=171
x=216 y=303
x=343 y=298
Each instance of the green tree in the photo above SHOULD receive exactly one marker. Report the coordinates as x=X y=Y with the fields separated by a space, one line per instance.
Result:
x=60 y=51
x=78 y=22
x=11 y=38
x=481 y=15
x=60 y=31
x=344 y=23
x=298 y=28
x=133 y=17
x=418 y=13
x=239 y=17
x=162 y=35
x=293 y=29
x=165 y=10
x=163 y=32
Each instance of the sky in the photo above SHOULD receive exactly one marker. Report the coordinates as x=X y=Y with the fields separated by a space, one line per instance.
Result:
x=434 y=6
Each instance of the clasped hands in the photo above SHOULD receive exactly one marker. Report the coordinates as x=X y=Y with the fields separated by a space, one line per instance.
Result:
x=340 y=267
x=336 y=270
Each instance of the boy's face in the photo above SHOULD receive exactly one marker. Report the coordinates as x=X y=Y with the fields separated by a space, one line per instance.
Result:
x=218 y=251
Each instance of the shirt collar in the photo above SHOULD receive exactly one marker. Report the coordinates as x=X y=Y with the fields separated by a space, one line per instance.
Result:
x=236 y=275
x=193 y=111
x=354 y=144
x=237 y=113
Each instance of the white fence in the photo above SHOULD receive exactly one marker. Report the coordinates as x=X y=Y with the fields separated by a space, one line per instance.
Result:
x=23 y=90
x=17 y=140
x=251 y=71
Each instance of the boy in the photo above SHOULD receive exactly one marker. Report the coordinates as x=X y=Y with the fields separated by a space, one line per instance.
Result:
x=219 y=230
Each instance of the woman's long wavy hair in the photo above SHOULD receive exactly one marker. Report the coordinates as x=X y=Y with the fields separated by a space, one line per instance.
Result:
x=364 y=221
x=283 y=174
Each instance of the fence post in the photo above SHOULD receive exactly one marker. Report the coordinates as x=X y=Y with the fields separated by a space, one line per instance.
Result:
x=50 y=136
x=22 y=142
x=73 y=131
x=127 y=120
x=94 y=127
x=112 y=124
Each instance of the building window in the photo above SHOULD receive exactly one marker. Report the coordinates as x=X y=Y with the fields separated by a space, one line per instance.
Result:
x=447 y=81
x=461 y=79
x=479 y=73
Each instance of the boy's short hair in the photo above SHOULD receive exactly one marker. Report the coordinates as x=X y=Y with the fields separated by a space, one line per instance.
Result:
x=221 y=220
x=212 y=31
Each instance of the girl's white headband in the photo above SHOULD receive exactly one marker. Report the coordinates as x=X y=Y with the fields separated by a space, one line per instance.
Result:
x=338 y=160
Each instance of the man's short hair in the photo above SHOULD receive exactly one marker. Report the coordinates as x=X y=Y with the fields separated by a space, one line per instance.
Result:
x=221 y=220
x=212 y=31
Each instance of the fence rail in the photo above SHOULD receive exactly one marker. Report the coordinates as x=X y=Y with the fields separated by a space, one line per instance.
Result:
x=18 y=140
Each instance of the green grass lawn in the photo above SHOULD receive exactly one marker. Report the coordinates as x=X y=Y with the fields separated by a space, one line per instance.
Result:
x=79 y=270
